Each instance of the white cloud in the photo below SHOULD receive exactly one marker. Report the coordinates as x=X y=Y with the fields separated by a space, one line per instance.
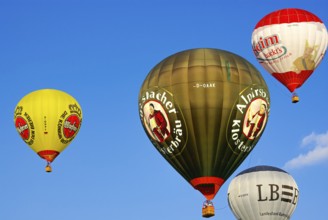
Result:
x=317 y=154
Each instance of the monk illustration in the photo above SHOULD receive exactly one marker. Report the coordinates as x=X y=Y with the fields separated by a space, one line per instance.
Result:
x=158 y=123
x=256 y=121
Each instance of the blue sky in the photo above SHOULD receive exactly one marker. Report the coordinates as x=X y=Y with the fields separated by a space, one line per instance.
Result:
x=100 y=52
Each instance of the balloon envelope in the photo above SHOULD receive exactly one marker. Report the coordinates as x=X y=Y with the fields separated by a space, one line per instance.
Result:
x=263 y=192
x=48 y=120
x=204 y=110
x=290 y=43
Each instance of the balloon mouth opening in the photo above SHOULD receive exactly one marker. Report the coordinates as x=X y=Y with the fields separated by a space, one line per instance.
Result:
x=208 y=186
x=293 y=86
x=48 y=155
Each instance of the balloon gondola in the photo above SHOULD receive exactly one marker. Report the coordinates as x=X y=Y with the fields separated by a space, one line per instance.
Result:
x=48 y=120
x=295 y=98
x=290 y=44
x=48 y=167
x=208 y=209
x=204 y=110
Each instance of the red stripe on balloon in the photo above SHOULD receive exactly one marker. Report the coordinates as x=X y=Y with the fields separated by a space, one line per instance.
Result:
x=291 y=79
x=288 y=15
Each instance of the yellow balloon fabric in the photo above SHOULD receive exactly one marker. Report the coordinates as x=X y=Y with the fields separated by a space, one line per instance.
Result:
x=48 y=120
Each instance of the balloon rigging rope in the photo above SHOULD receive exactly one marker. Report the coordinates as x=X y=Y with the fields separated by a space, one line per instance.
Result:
x=221 y=208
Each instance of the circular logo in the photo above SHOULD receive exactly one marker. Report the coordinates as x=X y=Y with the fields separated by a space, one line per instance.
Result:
x=248 y=119
x=22 y=128
x=163 y=121
x=71 y=126
x=255 y=118
x=156 y=121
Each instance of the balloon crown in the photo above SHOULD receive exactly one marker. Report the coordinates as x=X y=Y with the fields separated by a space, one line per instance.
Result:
x=74 y=108
x=18 y=110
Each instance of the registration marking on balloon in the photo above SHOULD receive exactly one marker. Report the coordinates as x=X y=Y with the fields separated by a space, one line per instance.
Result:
x=248 y=119
x=205 y=85
x=162 y=119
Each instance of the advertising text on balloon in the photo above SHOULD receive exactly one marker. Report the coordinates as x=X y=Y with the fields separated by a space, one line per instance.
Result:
x=163 y=121
x=286 y=193
x=248 y=119
x=265 y=42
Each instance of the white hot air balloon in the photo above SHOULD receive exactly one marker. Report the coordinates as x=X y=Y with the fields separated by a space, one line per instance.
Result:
x=263 y=193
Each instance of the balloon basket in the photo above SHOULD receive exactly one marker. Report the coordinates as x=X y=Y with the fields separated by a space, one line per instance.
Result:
x=48 y=168
x=208 y=209
x=295 y=98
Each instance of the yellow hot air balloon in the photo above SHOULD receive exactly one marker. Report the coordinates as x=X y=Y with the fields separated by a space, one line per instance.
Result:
x=48 y=120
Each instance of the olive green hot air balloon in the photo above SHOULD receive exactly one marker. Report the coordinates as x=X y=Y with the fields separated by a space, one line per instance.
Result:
x=204 y=110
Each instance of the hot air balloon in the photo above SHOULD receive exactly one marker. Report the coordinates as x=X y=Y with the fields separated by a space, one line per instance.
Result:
x=263 y=192
x=290 y=44
x=48 y=120
x=204 y=110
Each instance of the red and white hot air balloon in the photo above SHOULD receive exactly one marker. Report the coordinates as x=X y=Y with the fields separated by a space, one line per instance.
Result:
x=290 y=44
